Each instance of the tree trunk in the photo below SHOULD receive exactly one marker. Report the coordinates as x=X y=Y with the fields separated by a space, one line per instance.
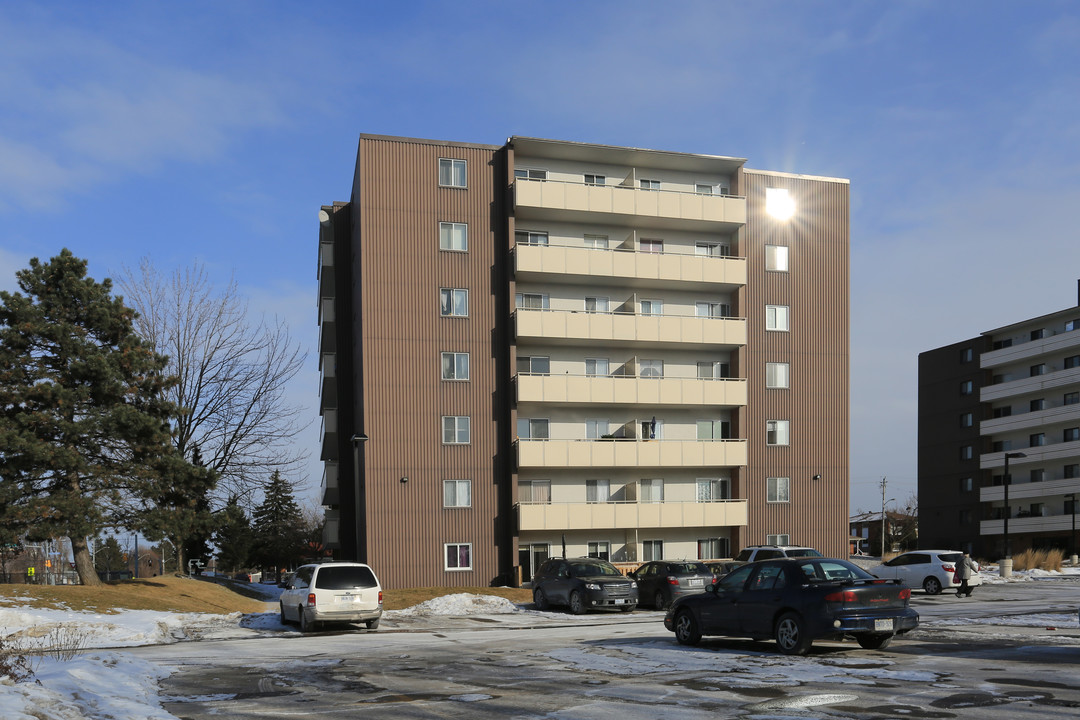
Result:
x=181 y=568
x=84 y=564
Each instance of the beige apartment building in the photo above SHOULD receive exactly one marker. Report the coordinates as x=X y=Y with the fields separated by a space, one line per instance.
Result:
x=549 y=347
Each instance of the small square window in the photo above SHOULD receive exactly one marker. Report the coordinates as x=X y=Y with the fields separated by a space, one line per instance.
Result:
x=778 y=489
x=1071 y=434
x=966 y=387
x=779 y=204
x=705 y=188
x=458 y=556
x=652 y=307
x=452 y=173
x=453 y=302
x=455 y=429
x=457 y=493
x=1071 y=398
x=967 y=355
x=967 y=484
x=453 y=236
x=533 y=365
x=455 y=366
x=776 y=258
x=596 y=242
x=1072 y=471
x=776 y=317
x=776 y=432
x=966 y=420
x=782 y=539
x=1039 y=369
x=597 y=367
x=1037 y=405
x=1038 y=334
x=654 y=245
x=530 y=237
x=967 y=452
x=1073 y=361
x=712 y=248
x=776 y=375
x=1036 y=439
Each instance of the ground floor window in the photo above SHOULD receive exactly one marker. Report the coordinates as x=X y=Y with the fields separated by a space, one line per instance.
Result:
x=713 y=548
x=652 y=550
x=600 y=550
x=458 y=556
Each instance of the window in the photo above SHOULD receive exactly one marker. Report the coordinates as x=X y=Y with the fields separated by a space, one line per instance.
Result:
x=964 y=517
x=713 y=309
x=783 y=539
x=776 y=375
x=713 y=489
x=1000 y=446
x=1039 y=369
x=596 y=242
x=966 y=419
x=1071 y=471
x=529 y=174
x=1037 y=405
x=532 y=428
x=597 y=366
x=453 y=302
x=1001 y=412
x=596 y=429
x=776 y=258
x=1072 y=325
x=649 y=184
x=776 y=317
x=1036 y=439
x=600 y=550
x=597 y=491
x=778 y=489
x=713 y=370
x=455 y=366
x=453 y=236
x=531 y=301
x=455 y=429
x=533 y=365
x=530 y=237
x=457 y=493
x=712 y=249
x=713 y=548
x=652 y=307
x=458 y=556
x=705 y=189
x=1038 y=334
x=1071 y=398
x=651 y=368
x=596 y=304
x=592 y=179
x=652 y=490
x=1071 y=434
x=776 y=432
x=779 y=203
x=1037 y=475
x=967 y=355
x=651 y=246
x=967 y=452
x=967 y=484
x=966 y=387
x=999 y=344
x=1073 y=361
x=534 y=492
x=713 y=429
x=451 y=172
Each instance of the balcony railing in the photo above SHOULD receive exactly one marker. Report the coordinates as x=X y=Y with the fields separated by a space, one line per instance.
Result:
x=629 y=328
x=631 y=453
x=618 y=516
x=1029 y=524
x=629 y=390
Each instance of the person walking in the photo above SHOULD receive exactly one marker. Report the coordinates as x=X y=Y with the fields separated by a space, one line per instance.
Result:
x=964 y=568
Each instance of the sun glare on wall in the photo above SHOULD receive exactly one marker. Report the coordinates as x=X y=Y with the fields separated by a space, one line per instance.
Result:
x=779 y=203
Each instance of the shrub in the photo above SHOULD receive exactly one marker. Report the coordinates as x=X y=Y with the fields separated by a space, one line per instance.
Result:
x=1039 y=559
x=13 y=662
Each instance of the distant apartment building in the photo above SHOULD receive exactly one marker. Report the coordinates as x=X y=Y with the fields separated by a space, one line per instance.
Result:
x=1009 y=398
x=550 y=347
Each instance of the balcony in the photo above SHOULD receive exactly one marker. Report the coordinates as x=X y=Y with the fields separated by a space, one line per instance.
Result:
x=622 y=390
x=328 y=381
x=616 y=453
x=1029 y=385
x=627 y=205
x=327 y=326
x=330 y=490
x=1039 y=455
x=327 y=281
x=1029 y=420
x=1019 y=491
x=328 y=434
x=554 y=263
x=628 y=329
x=628 y=516
x=1023 y=352
x=1018 y=525
x=332 y=530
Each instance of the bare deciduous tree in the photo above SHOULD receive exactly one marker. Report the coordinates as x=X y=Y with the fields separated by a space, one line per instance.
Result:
x=232 y=373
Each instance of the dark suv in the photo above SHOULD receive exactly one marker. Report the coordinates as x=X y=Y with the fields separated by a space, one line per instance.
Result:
x=583 y=584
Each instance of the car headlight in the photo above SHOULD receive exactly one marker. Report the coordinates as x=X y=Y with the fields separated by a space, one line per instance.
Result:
x=633 y=583
x=592 y=586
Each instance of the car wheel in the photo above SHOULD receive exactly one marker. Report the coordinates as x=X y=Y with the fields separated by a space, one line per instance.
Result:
x=540 y=599
x=874 y=642
x=791 y=635
x=931 y=585
x=306 y=625
x=372 y=624
x=281 y=609
x=687 y=631
x=577 y=603
x=658 y=601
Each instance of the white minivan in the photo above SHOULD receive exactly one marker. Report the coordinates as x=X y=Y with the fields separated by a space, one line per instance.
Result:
x=336 y=592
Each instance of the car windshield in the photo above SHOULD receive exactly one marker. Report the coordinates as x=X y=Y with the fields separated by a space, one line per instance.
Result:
x=803 y=552
x=689 y=568
x=590 y=569
x=345 y=578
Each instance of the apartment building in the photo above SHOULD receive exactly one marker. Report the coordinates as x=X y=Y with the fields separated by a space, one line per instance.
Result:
x=549 y=347
x=1003 y=404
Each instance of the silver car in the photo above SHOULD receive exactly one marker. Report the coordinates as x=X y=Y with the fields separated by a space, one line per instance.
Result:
x=332 y=593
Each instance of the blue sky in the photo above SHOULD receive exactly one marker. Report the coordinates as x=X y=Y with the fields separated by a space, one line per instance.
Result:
x=214 y=131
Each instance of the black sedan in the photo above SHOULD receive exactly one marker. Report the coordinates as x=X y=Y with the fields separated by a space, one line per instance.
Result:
x=796 y=601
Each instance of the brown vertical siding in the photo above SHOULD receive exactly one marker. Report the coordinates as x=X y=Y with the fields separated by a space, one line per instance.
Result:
x=817 y=349
x=396 y=294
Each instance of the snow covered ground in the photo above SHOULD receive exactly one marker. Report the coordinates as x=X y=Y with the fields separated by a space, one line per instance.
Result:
x=100 y=683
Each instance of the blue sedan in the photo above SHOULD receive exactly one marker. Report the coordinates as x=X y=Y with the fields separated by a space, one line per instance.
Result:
x=796 y=601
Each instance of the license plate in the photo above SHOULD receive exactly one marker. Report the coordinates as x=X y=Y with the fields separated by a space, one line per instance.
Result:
x=349 y=598
x=696 y=582
x=883 y=625
x=620 y=602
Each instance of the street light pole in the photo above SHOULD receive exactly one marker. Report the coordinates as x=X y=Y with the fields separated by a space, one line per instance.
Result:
x=1071 y=497
x=1006 y=481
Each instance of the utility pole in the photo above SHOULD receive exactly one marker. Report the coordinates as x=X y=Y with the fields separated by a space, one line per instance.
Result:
x=883 y=520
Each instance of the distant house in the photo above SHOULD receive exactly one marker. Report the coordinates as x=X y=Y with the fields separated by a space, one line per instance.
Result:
x=901 y=532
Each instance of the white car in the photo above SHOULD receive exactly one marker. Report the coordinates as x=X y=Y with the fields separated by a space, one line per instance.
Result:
x=931 y=570
x=338 y=592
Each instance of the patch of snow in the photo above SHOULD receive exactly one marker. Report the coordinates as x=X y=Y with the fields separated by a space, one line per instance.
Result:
x=459 y=604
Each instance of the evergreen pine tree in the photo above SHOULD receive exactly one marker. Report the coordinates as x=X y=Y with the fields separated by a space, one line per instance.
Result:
x=234 y=537
x=279 y=533
x=83 y=418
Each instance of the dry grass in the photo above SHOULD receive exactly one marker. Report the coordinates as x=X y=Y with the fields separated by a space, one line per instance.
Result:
x=1039 y=560
x=181 y=594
